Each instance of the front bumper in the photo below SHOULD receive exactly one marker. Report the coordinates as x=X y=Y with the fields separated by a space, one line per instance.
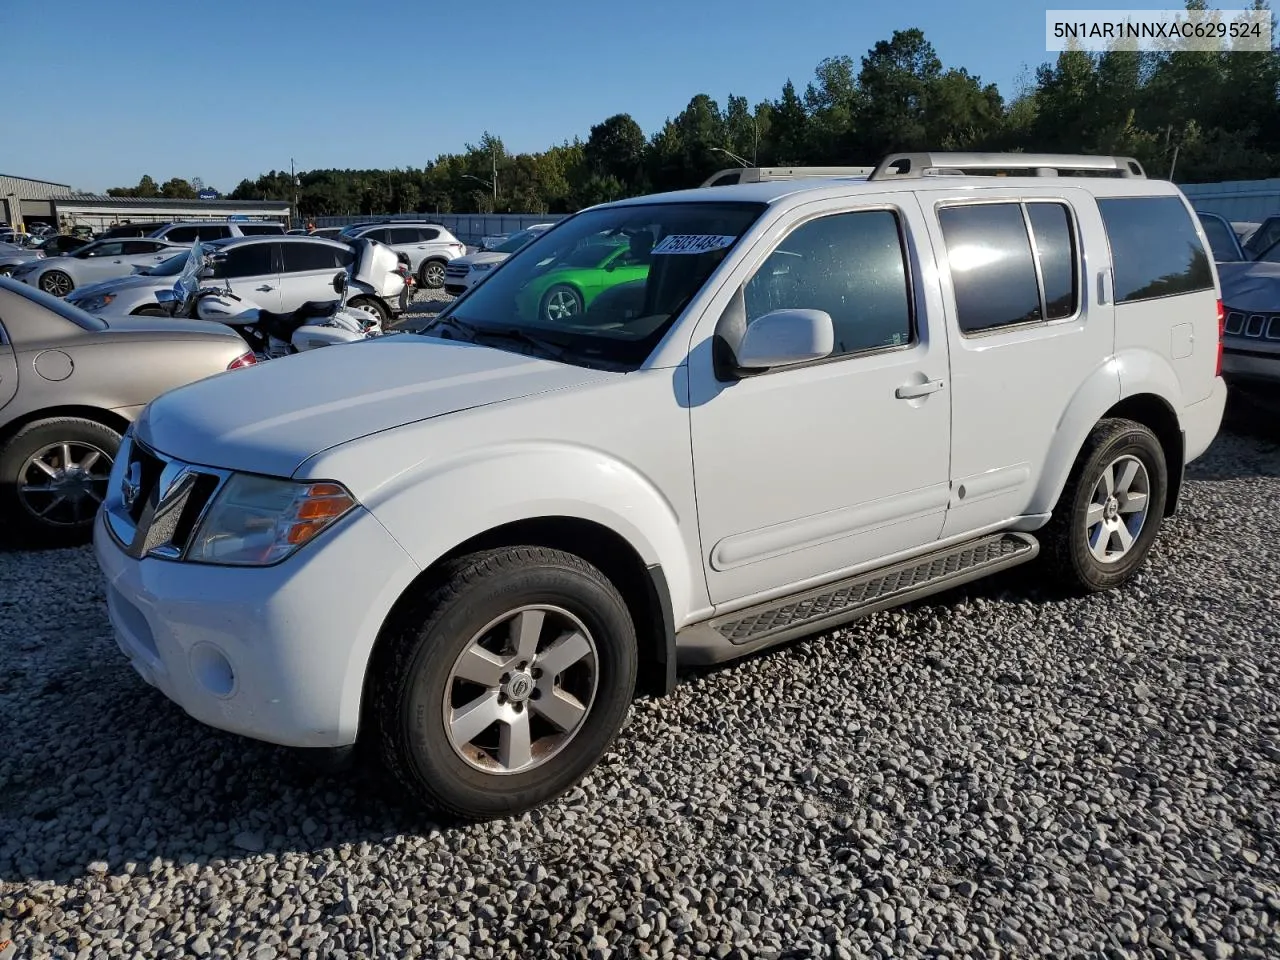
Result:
x=273 y=653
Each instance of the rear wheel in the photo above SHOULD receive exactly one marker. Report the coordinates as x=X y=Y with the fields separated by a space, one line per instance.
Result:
x=507 y=684
x=431 y=274
x=373 y=306
x=57 y=283
x=53 y=478
x=1110 y=510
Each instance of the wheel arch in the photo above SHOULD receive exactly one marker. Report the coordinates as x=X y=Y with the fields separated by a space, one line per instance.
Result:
x=108 y=418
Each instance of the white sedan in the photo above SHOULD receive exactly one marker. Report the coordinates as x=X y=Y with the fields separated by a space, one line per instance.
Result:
x=93 y=263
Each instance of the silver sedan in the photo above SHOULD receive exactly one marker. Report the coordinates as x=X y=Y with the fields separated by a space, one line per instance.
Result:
x=93 y=263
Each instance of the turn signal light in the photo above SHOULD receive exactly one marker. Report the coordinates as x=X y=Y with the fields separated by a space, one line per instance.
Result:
x=246 y=359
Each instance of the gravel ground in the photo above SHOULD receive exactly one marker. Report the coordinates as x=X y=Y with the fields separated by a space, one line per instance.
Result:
x=999 y=772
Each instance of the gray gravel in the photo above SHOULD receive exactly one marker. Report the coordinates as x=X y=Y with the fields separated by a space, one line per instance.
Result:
x=997 y=773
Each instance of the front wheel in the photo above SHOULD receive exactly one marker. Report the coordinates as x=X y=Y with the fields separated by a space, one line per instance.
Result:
x=560 y=303
x=506 y=686
x=373 y=306
x=1110 y=510
x=57 y=283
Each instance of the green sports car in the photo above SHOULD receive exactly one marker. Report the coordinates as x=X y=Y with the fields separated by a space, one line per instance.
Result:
x=567 y=285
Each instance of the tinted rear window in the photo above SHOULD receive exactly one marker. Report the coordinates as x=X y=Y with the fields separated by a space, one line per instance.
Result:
x=1155 y=250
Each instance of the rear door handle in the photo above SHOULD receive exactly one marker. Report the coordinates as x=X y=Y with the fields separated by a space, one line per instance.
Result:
x=912 y=390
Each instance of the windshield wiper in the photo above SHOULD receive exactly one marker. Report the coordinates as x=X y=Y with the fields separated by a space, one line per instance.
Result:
x=554 y=350
x=452 y=321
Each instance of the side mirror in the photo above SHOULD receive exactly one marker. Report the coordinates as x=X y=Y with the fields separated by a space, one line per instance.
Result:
x=784 y=337
x=340 y=283
x=166 y=296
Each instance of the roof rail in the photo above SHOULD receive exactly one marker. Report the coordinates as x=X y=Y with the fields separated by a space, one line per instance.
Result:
x=910 y=165
x=761 y=174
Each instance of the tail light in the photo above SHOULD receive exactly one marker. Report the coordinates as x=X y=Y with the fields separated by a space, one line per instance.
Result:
x=246 y=359
x=1222 y=330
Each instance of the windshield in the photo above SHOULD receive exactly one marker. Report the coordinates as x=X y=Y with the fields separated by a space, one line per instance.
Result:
x=1222 y=239
x=515 y=241
x=166 y=268
x=604 y=286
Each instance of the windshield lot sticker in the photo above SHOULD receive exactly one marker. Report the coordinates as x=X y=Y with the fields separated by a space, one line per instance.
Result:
x=692 y=243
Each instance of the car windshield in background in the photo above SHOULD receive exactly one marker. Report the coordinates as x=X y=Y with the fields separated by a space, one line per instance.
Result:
x=86 y=321
x=515 y=242
x=603 y=288
x=166 y=268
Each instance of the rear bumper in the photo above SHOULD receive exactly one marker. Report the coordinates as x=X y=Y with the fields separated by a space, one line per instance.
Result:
x=1201 y=421
x=1256 y=365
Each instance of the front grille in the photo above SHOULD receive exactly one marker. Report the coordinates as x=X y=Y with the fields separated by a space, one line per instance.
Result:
x=1254 y=326
x=460 y=271
x=157 y=502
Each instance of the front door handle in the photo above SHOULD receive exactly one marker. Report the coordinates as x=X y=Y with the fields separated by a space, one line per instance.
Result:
x=912 y=390
x=265 y=287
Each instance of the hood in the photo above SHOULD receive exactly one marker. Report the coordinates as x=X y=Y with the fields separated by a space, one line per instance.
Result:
x=1250 y=287
x=119 y=283
x=272 y=417
x=167 y=326
x=472 y=258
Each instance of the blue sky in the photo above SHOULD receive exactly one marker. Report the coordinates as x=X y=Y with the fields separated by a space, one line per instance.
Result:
x=107 y=90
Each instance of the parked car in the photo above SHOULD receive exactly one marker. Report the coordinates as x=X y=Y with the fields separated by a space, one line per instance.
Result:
x=468 y=548
x=207 y=230
x=92 y=263
x=70 y=384
x=1251 y=342
x=61 y=244
x=430 y=246
x=12 y=257
x=461 y=273
x=567 y=284
x=130 y=231
x=279 y=274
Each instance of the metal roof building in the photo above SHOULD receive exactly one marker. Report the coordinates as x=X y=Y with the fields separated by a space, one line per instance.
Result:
x=26 y=201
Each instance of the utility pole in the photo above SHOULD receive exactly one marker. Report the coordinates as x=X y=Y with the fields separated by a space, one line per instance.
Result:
x=293 y=177
x=495 y=179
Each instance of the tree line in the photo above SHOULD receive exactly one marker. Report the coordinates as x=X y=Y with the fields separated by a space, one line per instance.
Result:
x=1216 y=115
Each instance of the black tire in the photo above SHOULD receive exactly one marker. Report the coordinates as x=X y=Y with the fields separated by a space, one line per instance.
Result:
x=411 y=677
x=57 y=283
x=431 y=274
x=373 y=305
x=1065 y=540
x=572 y=295
x=19 y=511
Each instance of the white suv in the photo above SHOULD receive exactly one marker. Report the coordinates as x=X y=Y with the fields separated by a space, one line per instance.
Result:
x=428 y=246
x=207 y=230
x=468 y=548
x=462 y=273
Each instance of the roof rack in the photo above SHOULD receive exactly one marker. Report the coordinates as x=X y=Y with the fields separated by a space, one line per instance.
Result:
x=911 y=165
x=732 y=175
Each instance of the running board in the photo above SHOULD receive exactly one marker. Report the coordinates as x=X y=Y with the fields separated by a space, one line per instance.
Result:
x=775 y=621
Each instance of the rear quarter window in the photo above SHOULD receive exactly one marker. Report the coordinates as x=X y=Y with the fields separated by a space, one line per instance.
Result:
x=1155 y=250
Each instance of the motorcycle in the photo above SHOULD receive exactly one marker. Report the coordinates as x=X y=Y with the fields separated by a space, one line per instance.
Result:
x=270 y=335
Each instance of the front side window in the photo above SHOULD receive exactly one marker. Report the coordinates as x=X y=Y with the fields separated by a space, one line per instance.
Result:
x=850 y=265
x=1155 y=250
x=1011 y=263
x=605 y=286
x=136 y=247
x=112 y=248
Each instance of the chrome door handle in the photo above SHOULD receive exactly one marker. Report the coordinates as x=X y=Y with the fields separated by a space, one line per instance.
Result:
x=912 y=390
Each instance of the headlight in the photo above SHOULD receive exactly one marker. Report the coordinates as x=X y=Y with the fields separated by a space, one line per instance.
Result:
x=257 y=521
x=481 y=267
x=93 y=303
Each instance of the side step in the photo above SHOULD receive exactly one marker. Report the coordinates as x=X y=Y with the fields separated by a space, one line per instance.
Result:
x=775 y=621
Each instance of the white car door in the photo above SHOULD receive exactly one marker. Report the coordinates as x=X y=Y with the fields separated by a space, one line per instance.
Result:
x=1026 y=333
x=100 y=261
x=805 y=471
x=252 y=270
x=308 y=269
